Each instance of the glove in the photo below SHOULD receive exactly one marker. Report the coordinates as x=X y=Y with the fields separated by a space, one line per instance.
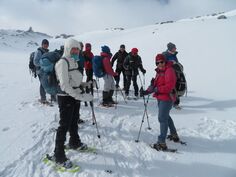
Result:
x=84 y=97
x=143 y=92
x=143 y=71
x=152 y=81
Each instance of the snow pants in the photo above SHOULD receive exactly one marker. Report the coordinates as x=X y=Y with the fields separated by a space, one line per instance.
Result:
x=69 y=115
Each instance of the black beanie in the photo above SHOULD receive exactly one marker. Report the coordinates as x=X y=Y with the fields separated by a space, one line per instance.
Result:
x=122 y=46
x=45 y=41
x=170 y=46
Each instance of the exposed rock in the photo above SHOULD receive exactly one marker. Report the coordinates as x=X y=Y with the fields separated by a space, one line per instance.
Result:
x=222 y=17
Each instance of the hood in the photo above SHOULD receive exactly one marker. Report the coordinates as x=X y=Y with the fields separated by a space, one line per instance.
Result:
x=69 y=44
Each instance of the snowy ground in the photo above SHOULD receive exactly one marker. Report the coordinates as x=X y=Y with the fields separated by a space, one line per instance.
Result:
x=206 y=122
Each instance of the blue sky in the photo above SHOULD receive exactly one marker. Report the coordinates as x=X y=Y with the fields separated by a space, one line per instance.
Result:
x=77 y=16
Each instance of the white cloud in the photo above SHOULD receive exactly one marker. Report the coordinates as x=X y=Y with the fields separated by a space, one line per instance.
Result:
x=75 y=16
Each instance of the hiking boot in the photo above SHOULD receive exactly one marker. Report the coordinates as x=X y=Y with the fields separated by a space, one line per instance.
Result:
x=44 y=102
x=80 y=146
x=66 y=164
x=80 y=121
x=117 y=86
x=173 y=137
x=160 y=146
x=63 y=162
x=107 y=104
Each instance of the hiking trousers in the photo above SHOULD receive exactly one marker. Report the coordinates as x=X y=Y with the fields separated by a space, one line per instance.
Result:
x=165 y=120
x=69 y=115
x=109 y=83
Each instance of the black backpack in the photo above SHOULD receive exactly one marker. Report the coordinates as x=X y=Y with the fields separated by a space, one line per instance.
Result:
x=32 y=67
x=181 y=83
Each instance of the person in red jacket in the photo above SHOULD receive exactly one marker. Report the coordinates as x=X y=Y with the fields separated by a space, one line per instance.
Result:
x=88 y=56
x=109 y=84
x=162 y=86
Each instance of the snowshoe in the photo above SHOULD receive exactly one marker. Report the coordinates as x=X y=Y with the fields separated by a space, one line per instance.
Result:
x=66 y=166
x=175 y=138
x=162 y=147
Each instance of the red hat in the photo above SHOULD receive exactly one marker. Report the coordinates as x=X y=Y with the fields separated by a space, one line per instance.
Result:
x=134 y=51
x=160 y=57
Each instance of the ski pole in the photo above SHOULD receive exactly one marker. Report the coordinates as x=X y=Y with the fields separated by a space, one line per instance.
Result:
x=116 y=99
x=94 y=119
x=137 y=140
x=122 y=95
x=145 y=103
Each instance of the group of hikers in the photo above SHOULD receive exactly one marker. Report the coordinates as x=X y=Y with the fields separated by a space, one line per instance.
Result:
x=71 y=60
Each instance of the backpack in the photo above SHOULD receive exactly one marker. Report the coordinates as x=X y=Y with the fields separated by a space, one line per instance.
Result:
x=47 y=72
x=32 y=67
x=181 y=83
x=97 y=64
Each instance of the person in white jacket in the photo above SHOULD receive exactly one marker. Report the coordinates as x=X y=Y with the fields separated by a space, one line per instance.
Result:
x=69 y=96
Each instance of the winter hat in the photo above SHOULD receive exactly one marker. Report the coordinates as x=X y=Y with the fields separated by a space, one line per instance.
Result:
x=87 y=46
x=122 y=46
x=160 y=57
x=134 y=51
x=170 y=46
x=45 y=41
x=106 y=49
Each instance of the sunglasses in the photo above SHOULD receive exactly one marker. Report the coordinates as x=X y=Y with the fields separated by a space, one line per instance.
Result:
x=160 y=62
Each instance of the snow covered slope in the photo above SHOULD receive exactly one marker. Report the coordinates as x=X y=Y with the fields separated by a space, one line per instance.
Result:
x=206 y=122
x=20 y=40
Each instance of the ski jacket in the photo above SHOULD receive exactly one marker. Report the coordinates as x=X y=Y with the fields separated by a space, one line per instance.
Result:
x=67 y=73
x=171 y=57
x=132 y=64
x=37 y=56
x=165 y=81
x=88 y=56
x=120 y=57
x=107 y=64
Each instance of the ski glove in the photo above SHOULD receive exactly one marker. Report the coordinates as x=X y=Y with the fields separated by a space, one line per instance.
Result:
x=143 y=71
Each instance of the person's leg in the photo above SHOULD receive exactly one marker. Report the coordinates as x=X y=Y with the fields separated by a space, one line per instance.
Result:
x=117 y=78
x=164 y=108
x=66 y=108
x=134 y=79
x=42 y=91
x=106 y=90
x=74 y=141
x=124 y=78
x=128 y=84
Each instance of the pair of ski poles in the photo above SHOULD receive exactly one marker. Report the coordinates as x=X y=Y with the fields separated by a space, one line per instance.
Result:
x=145 y=103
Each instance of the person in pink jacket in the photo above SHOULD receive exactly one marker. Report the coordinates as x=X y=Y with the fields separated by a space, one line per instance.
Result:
x=162 y=87
x=109 y=84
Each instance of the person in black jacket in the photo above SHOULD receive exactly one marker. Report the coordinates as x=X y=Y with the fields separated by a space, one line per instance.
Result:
x=120 y=57
x=132 y=63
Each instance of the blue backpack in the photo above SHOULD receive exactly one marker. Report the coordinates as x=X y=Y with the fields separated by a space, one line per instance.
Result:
x=47 y=72
x=97 y=64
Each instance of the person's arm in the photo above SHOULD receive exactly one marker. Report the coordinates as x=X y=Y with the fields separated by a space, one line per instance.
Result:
x=37 y=56
x=114 y=58
x=140 y=65
x=107 y=67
